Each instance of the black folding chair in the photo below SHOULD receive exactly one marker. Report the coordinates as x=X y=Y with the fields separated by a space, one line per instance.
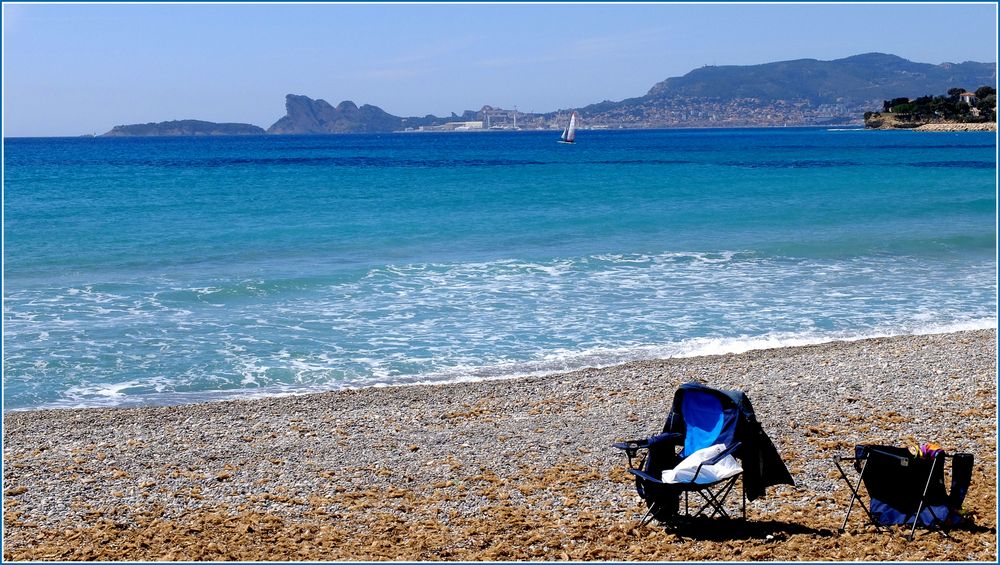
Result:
x=906 y=489
x=702 y=417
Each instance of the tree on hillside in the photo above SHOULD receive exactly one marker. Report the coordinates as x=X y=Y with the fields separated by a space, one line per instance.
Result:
x=902 y=109
x=888 y=105
x=987 y=106
x=934 y=108
x=984 y=91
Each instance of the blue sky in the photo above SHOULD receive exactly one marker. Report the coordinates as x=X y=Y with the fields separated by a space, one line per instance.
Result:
x=74 y=69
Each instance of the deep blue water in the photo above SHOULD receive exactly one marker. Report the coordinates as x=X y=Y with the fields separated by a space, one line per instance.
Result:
x=164 y=270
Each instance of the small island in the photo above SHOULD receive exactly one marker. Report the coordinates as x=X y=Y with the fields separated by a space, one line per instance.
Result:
x=958 y=110
x=182 y=128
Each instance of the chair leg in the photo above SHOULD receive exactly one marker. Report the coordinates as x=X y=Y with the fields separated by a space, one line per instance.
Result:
x=743 y=490
x=648 y=516
x=923 y=498
x=855 y=495
x=711 y=501
x=723 y=494
x=716 y=500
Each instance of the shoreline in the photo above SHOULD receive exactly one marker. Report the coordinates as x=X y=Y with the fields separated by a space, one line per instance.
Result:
x=989 y=126
x=850 y=125
x=495 y=470
x=685 y=350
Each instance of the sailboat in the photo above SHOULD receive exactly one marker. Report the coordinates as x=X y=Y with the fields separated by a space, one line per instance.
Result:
x=569 y=134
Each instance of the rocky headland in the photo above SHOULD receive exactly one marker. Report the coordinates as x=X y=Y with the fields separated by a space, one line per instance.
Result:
x=957 y=110
x=883 y=121
x=303 y=115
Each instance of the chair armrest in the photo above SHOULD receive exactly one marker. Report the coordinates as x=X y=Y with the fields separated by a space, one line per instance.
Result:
x=645 y=476
x=637 y=444
x=632 y=447
x=729 y=451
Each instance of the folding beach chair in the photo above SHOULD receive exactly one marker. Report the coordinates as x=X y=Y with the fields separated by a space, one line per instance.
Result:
x=719 y=441
x=907 y=488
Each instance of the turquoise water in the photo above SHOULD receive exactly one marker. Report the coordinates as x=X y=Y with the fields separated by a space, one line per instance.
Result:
x=154 y=271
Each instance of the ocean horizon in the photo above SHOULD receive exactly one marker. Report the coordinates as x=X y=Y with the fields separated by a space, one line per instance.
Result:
x=150 y=271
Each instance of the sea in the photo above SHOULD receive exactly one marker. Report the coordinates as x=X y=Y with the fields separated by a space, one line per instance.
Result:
x=158 y=271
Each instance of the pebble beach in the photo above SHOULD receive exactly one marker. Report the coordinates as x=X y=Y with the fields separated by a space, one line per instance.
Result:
x=988 y=126
x=516 y=469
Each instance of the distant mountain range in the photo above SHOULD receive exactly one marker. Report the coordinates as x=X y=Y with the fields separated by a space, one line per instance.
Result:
x=872 y=76
x=793 y=93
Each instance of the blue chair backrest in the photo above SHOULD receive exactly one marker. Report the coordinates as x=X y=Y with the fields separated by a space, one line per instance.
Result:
x=704 y=420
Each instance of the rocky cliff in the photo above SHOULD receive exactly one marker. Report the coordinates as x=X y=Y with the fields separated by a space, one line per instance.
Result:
x=183 y=127
x=303 y=115
x=877 y=120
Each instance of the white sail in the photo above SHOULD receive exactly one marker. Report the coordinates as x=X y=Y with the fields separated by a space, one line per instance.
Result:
x=569 y=134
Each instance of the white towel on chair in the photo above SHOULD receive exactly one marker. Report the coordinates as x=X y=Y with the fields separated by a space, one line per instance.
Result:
x=684 y=471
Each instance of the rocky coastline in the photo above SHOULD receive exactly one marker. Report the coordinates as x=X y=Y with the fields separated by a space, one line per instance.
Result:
x=517 y=469
x=883 y=121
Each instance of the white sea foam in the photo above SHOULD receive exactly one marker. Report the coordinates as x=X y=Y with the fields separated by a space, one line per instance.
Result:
x=568 y=360
x=123 y=393
x=103 y=394
x=432 y=323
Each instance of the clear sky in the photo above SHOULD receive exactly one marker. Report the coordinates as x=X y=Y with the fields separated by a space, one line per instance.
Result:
x=75 y=69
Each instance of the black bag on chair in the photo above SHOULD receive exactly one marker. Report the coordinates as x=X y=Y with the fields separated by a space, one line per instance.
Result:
x=905 y=488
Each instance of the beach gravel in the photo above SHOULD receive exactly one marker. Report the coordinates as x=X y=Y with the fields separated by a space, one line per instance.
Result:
x=517 y=469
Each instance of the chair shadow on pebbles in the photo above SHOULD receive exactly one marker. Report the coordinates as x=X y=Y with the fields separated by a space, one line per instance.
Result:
x=707 y=529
